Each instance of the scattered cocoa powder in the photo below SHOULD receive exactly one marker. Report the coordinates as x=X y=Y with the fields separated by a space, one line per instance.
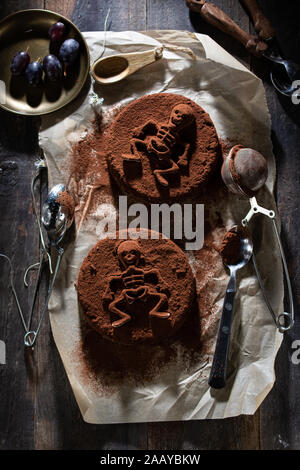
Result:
x=113 y=363
x=88 y=176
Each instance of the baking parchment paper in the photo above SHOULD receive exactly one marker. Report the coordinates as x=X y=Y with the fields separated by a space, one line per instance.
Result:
x=195 y=66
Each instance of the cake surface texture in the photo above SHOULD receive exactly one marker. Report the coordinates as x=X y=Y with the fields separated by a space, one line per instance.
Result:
x=136 y=290
x=162 y=147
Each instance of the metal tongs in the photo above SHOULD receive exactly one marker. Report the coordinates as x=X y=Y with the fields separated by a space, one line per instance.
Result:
x=244 y=171
x=284 y=321
x=56 y=222
x=57 y=217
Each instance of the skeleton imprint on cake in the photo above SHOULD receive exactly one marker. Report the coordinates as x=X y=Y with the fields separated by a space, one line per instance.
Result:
x=135 y=284
x=163 y=144
x=162 y=147
x=136 y=290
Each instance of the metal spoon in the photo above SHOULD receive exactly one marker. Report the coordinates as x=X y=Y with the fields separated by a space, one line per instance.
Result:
x=282 y=82
x=54 y=219
x=217 y=378
x=56 y=222
x=283 y=73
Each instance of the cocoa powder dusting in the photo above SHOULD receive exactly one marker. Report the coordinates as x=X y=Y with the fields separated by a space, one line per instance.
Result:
x=105 y=363
x=119 y=299
x=112 y=363
x=89 y=179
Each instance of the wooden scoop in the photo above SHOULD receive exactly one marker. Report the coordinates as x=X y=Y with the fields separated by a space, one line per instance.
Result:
x=114 y=68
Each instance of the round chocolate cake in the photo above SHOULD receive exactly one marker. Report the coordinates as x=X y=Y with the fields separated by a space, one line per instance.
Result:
x=136 y=290
x=162 y=147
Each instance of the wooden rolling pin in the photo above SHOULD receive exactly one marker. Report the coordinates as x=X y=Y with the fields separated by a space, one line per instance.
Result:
x=216 y=17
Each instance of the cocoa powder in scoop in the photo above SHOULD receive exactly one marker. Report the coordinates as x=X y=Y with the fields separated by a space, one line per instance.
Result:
x=230 y=249
x=67 y=204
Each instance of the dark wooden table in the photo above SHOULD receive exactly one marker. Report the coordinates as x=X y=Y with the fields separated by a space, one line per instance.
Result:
x=37 y=406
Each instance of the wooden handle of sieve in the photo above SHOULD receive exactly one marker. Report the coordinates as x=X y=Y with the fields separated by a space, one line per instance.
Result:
x=262 y=25
x=216 y=17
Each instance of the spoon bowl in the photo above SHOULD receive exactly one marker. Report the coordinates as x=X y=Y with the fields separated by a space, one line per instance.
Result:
x=110 y=69
x=282 y=82
x=55 y=220
x=246 y=248
x=283 y=74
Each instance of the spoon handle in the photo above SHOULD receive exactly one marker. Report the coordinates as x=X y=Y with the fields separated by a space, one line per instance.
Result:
x=218 y=18
x=31 y=335
x=217 y=378
x=37 y=282
x=138 y=60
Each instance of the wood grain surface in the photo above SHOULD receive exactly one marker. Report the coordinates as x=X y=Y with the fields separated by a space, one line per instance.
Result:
x=38 y=409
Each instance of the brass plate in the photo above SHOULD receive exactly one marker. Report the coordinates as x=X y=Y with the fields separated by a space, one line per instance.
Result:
x=29 y=28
